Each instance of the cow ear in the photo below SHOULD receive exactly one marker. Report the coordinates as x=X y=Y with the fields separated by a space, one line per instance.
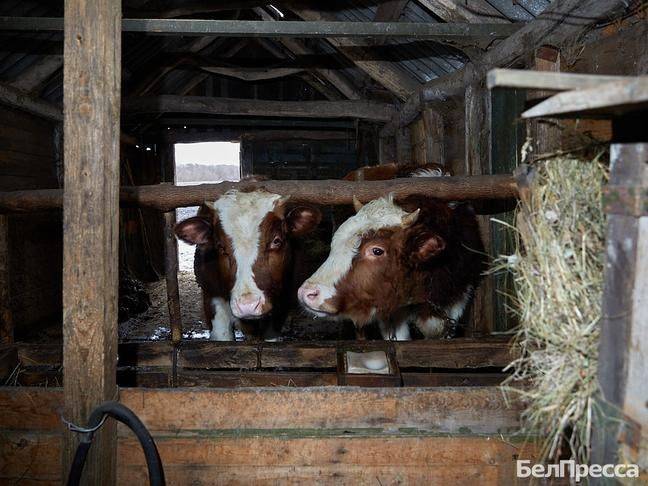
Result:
x=426 y=246
x=195 y=231
x=302 y=220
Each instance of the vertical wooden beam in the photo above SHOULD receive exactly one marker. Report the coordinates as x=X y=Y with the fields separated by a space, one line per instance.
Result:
x=434 y=137
x=171 y=274
x=166 y=152
x=624 y=322
x=6 y=321
x=403 y=146
x=92 y=77
x=544 y=134
x=386 y=150
x=477 y=153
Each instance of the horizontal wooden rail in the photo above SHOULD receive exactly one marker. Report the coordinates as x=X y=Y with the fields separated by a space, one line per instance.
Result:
x=256 y=28
x=166 y=197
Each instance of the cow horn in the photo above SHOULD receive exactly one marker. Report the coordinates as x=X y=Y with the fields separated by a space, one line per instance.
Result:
x=410 y=218
x=210 y=204
x=280 y=206
x=357 y=205
x=282 y=200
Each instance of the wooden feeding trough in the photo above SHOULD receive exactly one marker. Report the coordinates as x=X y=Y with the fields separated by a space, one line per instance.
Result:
x=320 y=412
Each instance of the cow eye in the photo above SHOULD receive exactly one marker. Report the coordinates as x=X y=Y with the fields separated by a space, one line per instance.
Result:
x=377 y=251
x=276 y=243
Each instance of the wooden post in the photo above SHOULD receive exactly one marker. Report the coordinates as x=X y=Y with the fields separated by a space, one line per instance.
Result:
x=92 y=78
x=171 y=275
x=6 y=321
x=477 y=153
x=623 y=348
x=386 y=150
x=434 y=137
x=166 y=152
x=544 y=133
x=403 y=146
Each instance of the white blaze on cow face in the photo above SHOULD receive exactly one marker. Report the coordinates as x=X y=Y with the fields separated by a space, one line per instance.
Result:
x=316 y=292
x=240 y=215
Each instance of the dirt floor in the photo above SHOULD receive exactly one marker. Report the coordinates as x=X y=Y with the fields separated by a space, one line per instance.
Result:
x=154 y=323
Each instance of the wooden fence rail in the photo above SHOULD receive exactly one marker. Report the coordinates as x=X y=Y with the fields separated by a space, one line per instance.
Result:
x=166 y=197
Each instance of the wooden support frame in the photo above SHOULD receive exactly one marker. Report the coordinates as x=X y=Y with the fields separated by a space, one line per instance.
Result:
x=334 y=192
x=543 y=30
x=255 y=28
x=190 y=363
x=366 y=110
x=477 y=161
x=92 y=80
x=171 y=276
x=624 y=327
x=355 y=435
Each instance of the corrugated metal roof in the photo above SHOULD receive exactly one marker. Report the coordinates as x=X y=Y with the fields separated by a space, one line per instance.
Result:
x=422 y=60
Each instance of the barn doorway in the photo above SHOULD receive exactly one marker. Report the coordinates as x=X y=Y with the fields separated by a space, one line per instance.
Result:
x=199 y=163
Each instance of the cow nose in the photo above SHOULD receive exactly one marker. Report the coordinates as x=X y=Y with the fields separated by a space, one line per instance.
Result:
x=248 y=305
x=308 y=293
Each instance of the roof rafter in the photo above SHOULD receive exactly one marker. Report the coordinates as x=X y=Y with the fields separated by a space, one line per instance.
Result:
x=460 y=11
x=391 y=77
x=298 y=48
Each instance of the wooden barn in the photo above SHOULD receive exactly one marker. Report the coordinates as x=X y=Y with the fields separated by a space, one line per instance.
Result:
x=97 y=99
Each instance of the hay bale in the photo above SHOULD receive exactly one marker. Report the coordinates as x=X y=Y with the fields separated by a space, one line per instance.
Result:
x=558 y=275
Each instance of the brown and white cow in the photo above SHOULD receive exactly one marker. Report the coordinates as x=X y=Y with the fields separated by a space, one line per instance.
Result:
x=419 y=261
x=243 y=256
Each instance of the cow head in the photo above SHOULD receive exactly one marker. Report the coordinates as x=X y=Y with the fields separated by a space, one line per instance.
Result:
x=372 y=254
x=251 y=233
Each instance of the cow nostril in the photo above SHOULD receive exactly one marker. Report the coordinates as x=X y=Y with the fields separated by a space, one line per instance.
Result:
x=312 y=294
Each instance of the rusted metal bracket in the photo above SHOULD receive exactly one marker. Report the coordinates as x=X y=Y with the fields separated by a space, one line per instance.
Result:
x=626 y=200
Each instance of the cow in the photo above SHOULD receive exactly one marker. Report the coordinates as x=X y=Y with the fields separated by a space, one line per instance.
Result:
x=393 y=171
x=243 y=257
x=418 y=261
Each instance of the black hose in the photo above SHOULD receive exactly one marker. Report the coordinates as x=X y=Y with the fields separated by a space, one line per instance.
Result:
x=126 y=416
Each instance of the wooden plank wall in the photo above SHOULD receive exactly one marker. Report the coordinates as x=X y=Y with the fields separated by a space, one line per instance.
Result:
x=28 y=161
x=285 y=436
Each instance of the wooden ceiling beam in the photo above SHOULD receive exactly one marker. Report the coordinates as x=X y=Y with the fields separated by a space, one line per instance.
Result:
x=367 y=110
x=315 y=28
x=34 y=77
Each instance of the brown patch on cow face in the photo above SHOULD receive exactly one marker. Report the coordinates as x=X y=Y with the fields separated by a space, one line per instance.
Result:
x=371 y=289
x=273 y=256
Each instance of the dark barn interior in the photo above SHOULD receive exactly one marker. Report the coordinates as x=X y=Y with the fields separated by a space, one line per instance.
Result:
x=91 y=108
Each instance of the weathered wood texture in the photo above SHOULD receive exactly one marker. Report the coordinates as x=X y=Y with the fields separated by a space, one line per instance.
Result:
x=280 y=436
x=92 y=79
x=549 y=81
x=397 y=81
x=456 y=11
x=34 y=77
x=287 y=28
x=171 y=276
x=559 y=24
x=610 y=99
x=624 y=323
x=17 y=98
x=477 y=153
x=166 y=197
x=330 y=460
x=368 y=110
x=545 y=136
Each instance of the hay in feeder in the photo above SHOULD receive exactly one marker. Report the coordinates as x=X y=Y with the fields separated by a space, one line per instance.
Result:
x=558 y=275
